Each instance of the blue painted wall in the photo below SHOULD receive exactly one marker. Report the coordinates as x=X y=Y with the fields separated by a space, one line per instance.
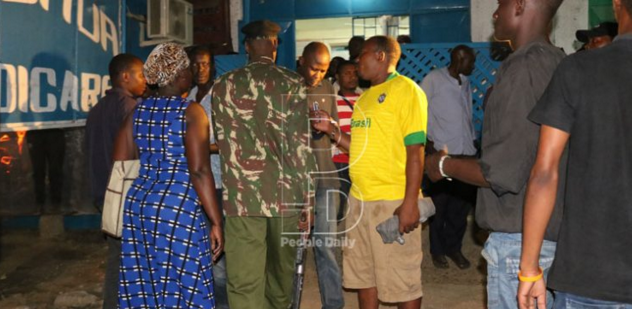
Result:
x=441 y=26
x=431 y=20
x=304 y=9
x=53 y=60
x=132 y=29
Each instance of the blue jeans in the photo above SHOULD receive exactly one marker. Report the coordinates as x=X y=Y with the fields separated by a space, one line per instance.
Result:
x=502 y=252
x=571 y=301
x=324 y=239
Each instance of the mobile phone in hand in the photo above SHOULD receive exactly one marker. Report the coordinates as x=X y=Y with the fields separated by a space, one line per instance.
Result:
x=316 y=108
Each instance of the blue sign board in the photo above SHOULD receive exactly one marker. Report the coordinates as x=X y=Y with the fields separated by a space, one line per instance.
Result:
x=54 y=59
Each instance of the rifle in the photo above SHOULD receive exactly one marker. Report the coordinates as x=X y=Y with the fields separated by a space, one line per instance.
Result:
x=299 y=275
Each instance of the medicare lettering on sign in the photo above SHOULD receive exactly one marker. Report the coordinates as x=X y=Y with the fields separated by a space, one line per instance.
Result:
x=54 y=59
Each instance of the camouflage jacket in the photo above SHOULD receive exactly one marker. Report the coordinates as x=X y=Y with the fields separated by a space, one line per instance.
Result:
x=262 y=122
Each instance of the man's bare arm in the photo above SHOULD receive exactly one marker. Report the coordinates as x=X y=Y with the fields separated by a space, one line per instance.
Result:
x=408 y=212
x=465 y=169
x=539 y=204
x=540 y=196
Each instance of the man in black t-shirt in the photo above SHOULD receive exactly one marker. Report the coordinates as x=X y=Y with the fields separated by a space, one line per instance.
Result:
x=588 y=105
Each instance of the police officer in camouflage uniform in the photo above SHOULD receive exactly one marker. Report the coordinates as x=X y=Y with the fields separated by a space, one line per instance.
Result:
x=261 y=116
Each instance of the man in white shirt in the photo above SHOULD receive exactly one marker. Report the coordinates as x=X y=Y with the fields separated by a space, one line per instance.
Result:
x=203 y=68
x=450 y=128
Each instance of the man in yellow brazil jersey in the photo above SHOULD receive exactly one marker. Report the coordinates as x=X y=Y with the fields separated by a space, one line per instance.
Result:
x=388 y=129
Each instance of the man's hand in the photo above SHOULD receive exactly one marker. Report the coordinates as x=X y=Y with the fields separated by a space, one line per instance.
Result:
x=532 y=293
x=320 y=121
x=217 y=241
x=408 y=214
x=432 y=165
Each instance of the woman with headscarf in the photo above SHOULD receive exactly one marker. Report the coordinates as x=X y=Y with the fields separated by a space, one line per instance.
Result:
x=167 y=249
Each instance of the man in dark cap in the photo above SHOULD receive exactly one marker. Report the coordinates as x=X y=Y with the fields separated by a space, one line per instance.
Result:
x=261 y=29
x=599 y=36
x=261 y=114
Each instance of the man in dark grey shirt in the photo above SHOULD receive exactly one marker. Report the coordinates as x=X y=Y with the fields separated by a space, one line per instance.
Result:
x=509 y=144
x=104 y=120
x=320 y=94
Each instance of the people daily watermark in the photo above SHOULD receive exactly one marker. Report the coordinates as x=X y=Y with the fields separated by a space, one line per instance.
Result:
x=317 y=242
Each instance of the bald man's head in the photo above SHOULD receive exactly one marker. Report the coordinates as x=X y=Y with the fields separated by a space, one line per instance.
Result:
x=462 y=60
x=460 y=50
x=314 y=63
x=314 y=48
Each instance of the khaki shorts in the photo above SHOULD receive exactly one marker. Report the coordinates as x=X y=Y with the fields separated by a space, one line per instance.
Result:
x=367 y=262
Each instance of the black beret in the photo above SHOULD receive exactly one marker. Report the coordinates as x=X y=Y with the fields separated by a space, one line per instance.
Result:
x=261 y=29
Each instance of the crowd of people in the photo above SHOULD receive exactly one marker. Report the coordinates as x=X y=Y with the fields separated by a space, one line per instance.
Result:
x=234 y=169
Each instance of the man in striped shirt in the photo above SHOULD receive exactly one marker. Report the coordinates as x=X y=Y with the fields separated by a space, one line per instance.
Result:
x=348 y=93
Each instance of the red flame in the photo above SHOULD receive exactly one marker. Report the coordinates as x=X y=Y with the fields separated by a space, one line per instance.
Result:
x=6 y=160
x=21 y=135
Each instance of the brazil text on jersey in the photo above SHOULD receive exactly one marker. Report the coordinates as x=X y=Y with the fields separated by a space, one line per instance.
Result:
x=366 y=123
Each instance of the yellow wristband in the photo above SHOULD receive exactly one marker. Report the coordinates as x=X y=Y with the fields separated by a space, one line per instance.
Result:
x=532 y=278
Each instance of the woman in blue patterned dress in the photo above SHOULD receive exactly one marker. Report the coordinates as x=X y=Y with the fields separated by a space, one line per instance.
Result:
x=167 y=249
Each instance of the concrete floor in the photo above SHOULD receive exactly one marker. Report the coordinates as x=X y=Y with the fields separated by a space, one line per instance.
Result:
x=42 y=272
x=443 y=289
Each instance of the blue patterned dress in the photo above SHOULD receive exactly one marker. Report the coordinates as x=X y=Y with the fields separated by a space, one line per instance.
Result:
x=166 y=251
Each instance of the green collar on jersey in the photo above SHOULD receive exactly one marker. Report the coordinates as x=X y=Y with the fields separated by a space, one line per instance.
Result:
x=392 y=75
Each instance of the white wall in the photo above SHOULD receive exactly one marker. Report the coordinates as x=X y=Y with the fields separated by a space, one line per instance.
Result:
x=572 y=15
x=236 y=14
x=333 y=31
x=481 y=17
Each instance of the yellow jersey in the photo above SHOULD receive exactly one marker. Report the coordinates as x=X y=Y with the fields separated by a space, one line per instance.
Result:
x=386 y=118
